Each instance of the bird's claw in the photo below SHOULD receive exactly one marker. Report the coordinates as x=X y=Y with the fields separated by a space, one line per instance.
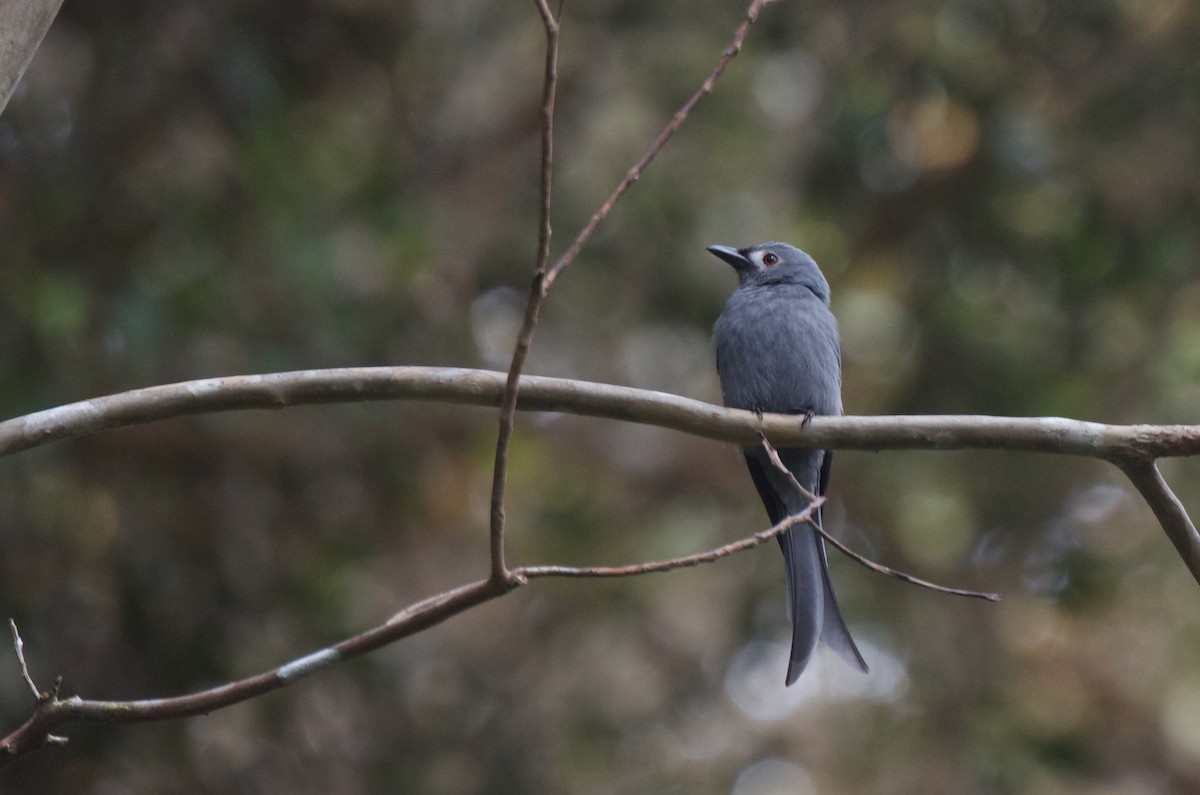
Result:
x=808 y=415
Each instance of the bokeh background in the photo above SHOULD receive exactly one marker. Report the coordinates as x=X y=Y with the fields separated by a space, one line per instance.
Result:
x=1003 y=193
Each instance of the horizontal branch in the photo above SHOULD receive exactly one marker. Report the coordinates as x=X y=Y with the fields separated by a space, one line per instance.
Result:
x=537 y=393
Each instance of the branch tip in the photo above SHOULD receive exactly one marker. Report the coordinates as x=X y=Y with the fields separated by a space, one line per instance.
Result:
x=677 y=120
x=19 y=647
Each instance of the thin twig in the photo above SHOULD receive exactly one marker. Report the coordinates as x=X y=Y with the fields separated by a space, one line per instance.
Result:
x=635 y=172
x=549 y=92
x=19 y=646
x=900 y=575
x=537 y=292
x=773 y=454
x=708 y=556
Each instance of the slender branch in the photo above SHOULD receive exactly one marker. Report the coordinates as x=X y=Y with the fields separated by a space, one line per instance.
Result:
x=708 y=556
x=879 y=568
x=537 y=292
x=1172 y=516
x=53 y=712
x=777 y=462
x=608 y=401
x=858 y=557
x=635 y=171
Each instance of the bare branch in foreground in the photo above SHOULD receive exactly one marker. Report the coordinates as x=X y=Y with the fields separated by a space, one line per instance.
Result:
x=607 y=401
x=777 y=462
x=815 y=500
x=905 y=576
x=52 y=712
x=530 y=572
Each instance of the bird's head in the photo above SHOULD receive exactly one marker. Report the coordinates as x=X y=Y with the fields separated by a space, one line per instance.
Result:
x=774 y=263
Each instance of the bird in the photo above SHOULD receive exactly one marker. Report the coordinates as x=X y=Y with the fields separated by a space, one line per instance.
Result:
x=778 y=350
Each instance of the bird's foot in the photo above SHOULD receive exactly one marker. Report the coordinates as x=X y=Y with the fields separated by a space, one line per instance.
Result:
x=808 y=415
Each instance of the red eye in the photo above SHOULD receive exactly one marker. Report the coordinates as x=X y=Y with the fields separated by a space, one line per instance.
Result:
x=770 y=259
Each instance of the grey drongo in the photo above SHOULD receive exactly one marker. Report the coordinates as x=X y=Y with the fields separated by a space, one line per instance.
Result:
x=778 y=351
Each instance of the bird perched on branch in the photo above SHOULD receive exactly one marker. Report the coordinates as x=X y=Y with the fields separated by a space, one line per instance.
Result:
x=778 y=351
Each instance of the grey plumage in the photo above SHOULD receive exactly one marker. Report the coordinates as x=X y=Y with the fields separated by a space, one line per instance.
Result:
x=778 y=351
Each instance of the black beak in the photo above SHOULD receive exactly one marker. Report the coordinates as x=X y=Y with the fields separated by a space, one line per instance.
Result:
x=731 y=255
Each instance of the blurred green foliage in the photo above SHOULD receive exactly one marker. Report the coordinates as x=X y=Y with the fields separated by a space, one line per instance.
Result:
x=1003 y=193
